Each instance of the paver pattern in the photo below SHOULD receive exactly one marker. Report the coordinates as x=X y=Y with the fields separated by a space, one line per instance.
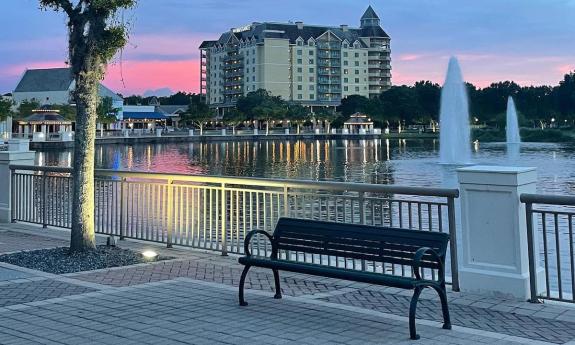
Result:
x=179 y=312
x=17 y=293
x=531 y=327
x=193 y=300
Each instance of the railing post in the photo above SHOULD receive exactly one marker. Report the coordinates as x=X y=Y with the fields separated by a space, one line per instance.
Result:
x=453 y=244
x=531 y=253
x=286 y=201
x=12 y=196
x=170 y=212
x=361 y=208
x=44 y=218
x=223 y=215
x=122 y=225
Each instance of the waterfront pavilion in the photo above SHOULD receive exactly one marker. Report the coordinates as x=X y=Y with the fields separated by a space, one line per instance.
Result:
x=44 y=123
x=358 y=123
x=144 y=120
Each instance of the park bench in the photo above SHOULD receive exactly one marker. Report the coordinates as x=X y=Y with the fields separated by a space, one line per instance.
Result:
x=384 y=245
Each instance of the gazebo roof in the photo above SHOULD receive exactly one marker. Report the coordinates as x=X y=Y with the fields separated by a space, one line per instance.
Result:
x=45 y=116
x=358 y=119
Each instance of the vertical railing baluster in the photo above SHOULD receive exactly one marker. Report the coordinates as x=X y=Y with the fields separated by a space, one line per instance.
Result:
x=44 y=202
x=531 y=252
x=453 y=244
x=558 y=254
x=545 y=253
x=169 y=212
x=571 y=256
x=224 y=227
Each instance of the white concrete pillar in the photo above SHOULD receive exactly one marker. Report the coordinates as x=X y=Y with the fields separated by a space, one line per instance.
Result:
x=494 y=257
x=158 y=132
x=191 y=132
x=286 y=131
x=19 y=154
x=223 y=131
x=256 y=132
x=333 y=131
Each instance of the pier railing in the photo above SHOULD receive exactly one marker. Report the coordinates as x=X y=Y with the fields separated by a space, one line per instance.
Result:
x=550 y=245
x=215 y=213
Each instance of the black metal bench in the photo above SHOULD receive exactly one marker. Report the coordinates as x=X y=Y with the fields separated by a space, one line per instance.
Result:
x=417 y=249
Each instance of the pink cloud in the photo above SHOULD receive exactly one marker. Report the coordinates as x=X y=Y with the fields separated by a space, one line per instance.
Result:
x=410 y=57
x=139 y=76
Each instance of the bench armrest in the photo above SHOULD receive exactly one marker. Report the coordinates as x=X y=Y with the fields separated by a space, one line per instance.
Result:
x=251 y=234
x=417 y=262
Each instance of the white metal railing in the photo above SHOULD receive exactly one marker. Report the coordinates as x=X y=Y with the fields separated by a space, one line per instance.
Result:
x=550 y=236
x=215 y=212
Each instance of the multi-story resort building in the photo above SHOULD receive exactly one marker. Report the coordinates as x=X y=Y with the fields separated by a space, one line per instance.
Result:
x=309 y=64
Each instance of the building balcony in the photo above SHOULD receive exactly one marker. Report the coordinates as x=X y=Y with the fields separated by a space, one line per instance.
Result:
x=231 y=73
x=234 y=65
x=233 y=91
x=235 y=57
x=234 y=83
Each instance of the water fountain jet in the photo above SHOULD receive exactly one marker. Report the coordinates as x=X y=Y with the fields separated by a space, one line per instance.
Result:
x=512 y=129
x=454 y=137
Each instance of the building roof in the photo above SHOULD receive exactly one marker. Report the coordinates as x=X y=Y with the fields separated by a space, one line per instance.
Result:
x=54 y=79
x=358 y=119
x=293 y=31
x=369 y=14
x=133 y=115
x=45 y=115
x=171 y=109
x=39 y=80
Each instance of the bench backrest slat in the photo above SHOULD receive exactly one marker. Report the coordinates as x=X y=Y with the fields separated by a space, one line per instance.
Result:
x=363 y=242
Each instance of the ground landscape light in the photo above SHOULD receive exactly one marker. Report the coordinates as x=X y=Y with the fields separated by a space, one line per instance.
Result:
x=149 y=254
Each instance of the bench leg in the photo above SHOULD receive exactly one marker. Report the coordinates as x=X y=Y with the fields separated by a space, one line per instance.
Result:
x=278 y=294
x=444 y=308
x=412 y=307
x=243 y=303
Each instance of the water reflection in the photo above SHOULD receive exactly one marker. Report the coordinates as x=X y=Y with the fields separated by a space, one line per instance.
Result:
x=393 y=161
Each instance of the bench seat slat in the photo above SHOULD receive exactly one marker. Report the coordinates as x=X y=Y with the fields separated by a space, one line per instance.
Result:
x=331 y=272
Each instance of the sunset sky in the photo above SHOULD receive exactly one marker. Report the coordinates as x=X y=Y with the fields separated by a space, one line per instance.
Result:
x=528 y=41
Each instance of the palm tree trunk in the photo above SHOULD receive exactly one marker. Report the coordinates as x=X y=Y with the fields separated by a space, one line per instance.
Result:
x=86 y=96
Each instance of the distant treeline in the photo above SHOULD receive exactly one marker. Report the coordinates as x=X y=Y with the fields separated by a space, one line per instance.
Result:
x=419 y=104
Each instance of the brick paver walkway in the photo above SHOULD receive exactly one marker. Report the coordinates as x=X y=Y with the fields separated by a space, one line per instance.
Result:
x=193 y=299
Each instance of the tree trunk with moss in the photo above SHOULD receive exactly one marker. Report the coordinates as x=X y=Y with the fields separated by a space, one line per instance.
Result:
x=94 y=38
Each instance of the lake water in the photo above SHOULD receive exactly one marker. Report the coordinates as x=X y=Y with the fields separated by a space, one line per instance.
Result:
x=396 y=161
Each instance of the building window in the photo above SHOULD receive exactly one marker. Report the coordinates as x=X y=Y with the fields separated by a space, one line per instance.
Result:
x=357 y=88
x=345 y=80
x=357 y=63
x=312 y=87
x=254 y=69
x=299 y=52
x=254 y=60
x=357 y=80
x=345 y=54
x=311 y=79
x=300 y=78
x=299 y=87
x=254 y=78
x=345 y=62
x=300 y=43
x=356 y=71
x=311 y=70
x=356 y=55
x=345 y=88
x=300 y=96
x=311 y=96
x=345 y=71
x=299 y=70
x=311 y=61
x=311 y=52
x=299 y=61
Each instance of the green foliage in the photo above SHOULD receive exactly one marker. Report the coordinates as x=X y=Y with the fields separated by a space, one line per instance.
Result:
x=527 y=135
x=25 y=108
x=106 y=111
x=179 y=98
x=67 y=111
x=5 y=108
x=198 y=114
x=234 y=117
